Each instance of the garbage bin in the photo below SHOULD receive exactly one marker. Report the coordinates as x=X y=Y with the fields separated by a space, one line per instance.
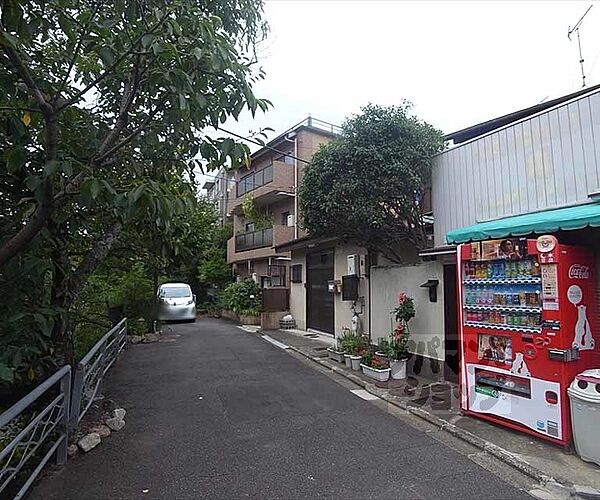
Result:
x=584 y=394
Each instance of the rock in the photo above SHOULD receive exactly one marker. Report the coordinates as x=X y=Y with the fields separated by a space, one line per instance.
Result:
x=72 y=450
x=150 y=338
x=583 y=491
x=102 y=430
x=135 y=339
x=89 y=441
x=115 y=424
x=119 y=413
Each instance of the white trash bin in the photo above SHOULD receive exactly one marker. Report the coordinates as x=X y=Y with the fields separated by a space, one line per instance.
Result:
x=584 y=394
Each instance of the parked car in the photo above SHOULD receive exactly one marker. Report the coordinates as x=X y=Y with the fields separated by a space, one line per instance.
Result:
x=176 y=302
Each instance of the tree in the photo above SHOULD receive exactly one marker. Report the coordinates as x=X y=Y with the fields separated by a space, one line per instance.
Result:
x=105 y=111
x=130 y=79
x=367 y=185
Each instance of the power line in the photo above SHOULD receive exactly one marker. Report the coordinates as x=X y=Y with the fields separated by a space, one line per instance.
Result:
x=259 y=143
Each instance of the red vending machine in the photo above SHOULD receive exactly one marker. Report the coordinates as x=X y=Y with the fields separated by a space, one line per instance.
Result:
x=528 y=320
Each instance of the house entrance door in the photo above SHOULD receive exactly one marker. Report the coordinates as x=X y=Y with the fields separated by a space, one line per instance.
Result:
x=319 y=301
x=450 y=324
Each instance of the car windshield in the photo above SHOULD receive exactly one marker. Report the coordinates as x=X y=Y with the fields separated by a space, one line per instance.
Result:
x=174 y=292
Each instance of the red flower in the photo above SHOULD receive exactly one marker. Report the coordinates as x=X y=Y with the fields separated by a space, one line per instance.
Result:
x=401 y=298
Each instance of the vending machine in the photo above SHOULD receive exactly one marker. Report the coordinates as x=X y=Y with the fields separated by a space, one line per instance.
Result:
x=528 y=320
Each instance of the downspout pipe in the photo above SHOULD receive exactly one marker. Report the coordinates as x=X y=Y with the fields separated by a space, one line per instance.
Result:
x=293 y=137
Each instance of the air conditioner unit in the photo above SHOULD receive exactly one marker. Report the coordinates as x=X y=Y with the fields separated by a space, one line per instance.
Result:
x=290 y=220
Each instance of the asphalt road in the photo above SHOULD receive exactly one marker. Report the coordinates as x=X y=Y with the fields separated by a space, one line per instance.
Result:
x=220 y=413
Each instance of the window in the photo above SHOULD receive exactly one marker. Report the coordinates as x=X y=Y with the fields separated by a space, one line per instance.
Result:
x=287 y=159
x=284 y=218
x=268 y=174
x=297 y=273
x=258 y=178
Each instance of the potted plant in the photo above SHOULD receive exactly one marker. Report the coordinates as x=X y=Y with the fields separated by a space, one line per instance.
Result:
x=396 y=346
x=375 y=368
x=336 y=353
x=352 y=345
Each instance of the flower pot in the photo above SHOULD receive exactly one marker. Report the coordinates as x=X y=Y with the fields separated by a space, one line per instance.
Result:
x=347 y=360
x=355 y=361
x=374 y=373
x=398 y=369
x=337 y=356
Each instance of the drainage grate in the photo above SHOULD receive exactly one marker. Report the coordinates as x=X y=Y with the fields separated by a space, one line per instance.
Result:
x=320 y=348
x=311 y=335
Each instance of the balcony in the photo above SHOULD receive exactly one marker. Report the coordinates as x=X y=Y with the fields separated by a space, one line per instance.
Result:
x=267 y=185
x=254 y=239
x=257 y=244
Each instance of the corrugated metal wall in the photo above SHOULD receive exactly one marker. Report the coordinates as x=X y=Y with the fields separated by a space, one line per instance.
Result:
x=549 y=160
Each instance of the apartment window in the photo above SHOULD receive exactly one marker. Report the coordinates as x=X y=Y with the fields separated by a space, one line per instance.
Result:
x=286 y=158
x=284 y=218
x=268 y=174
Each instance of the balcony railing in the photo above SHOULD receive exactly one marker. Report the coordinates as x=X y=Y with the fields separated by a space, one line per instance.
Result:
x=254 y=239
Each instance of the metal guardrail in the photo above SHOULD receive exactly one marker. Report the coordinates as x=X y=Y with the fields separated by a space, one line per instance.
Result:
x=255 y=239
x=55 y=407
x=90 y=371
x=47 y=426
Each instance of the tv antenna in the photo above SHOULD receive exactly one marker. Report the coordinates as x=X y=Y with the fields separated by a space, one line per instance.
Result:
x=575 y=29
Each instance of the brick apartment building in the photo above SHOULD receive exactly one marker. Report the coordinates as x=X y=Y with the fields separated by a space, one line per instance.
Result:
x=272 y=181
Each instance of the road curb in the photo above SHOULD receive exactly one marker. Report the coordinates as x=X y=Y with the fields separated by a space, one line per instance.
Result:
x=486 y=446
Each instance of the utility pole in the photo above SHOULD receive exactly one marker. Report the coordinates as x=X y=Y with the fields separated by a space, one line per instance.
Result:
x=575 y=29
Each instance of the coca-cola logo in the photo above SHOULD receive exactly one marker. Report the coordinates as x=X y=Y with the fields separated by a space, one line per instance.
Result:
x=579 y=271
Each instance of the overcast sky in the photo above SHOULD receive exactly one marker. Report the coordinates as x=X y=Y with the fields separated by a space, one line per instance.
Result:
x=459 y=62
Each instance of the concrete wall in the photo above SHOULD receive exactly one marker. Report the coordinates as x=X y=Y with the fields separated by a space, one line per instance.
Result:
x=298 y=291
x=343 y=308
x=427 y=327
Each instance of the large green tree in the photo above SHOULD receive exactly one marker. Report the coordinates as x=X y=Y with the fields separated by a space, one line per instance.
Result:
x=106 y=110
x=368 y=185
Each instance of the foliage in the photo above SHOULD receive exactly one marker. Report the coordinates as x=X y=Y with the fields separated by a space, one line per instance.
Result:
x=397 y=345
x=351 y=344
x=214 y=271
x=252 y=214
x=105 y=114
x=368 y=185
x=374 y=362
x=243 y=297
x=405 y=310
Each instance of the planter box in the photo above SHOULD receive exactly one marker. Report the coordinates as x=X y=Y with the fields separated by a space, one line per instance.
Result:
x=374 y=373
x=335 y=355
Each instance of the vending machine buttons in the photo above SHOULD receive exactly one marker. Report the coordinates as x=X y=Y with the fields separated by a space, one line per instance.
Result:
x=551 y=324
x=541 y=342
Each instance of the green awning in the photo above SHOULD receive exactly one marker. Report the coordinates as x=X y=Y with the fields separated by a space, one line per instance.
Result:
x=545 y=222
